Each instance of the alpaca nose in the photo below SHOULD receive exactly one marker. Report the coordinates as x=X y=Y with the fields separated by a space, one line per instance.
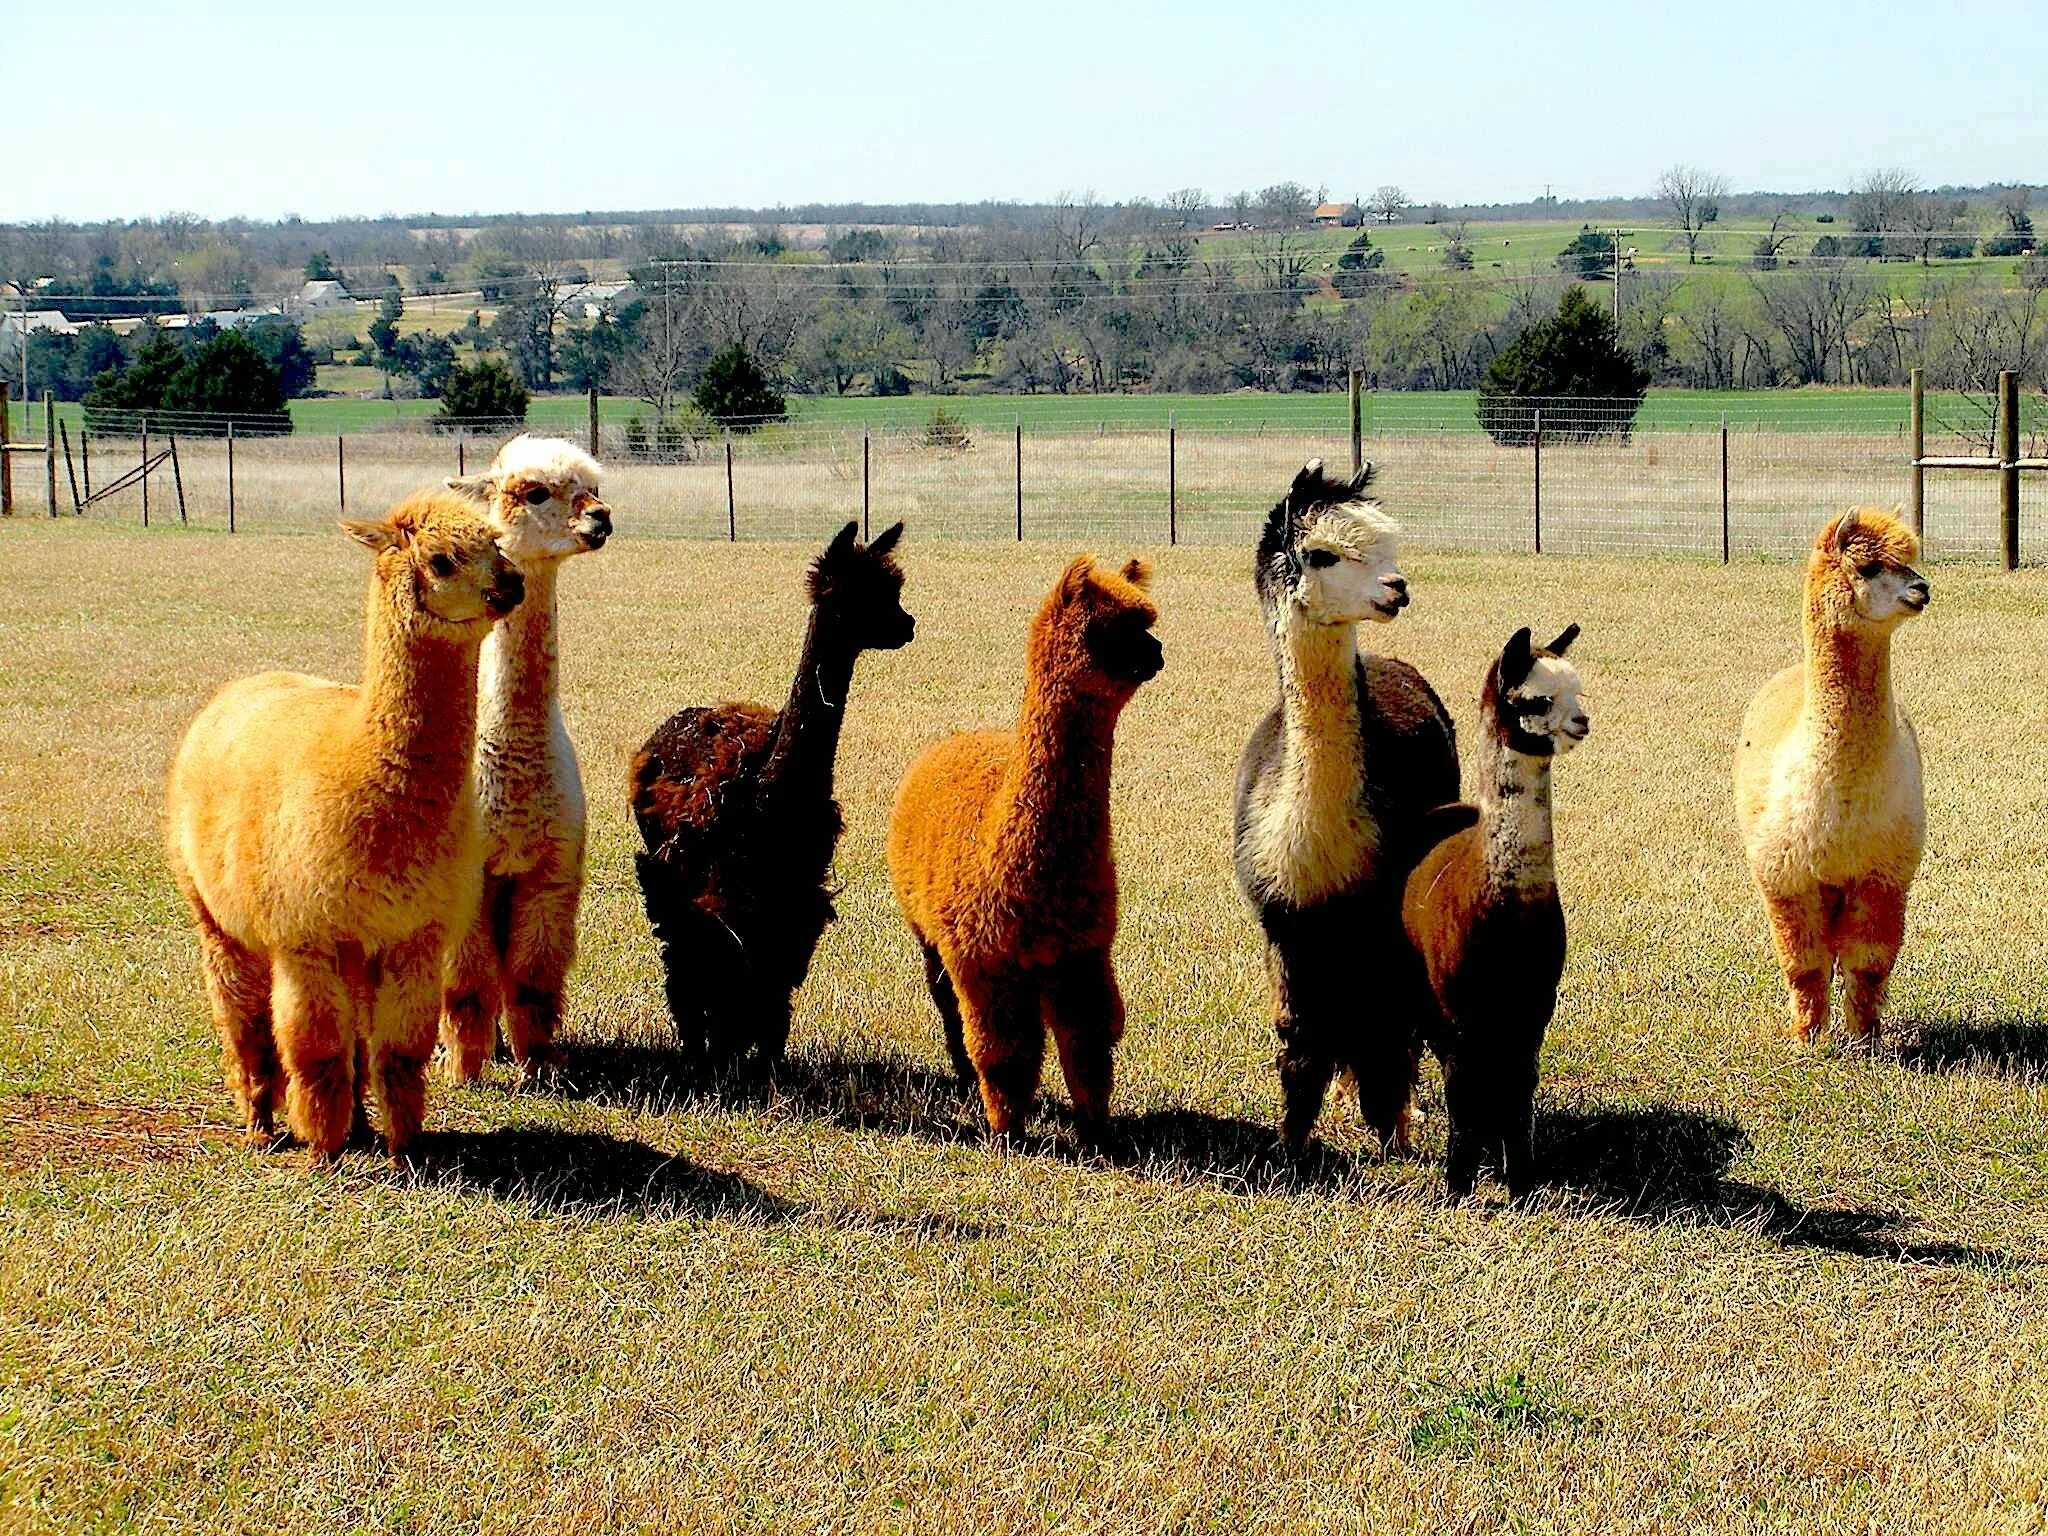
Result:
x=595 y=524
x=1398 y=585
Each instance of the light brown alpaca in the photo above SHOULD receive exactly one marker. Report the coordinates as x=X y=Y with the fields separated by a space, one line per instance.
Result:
x=325 y=838
x=1827 y=777
x=541 y=494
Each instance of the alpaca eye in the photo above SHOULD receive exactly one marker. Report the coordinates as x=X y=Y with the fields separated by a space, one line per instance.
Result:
x=1320 y=559
x=442 y=566
x=538 y=495
x=1869 y=572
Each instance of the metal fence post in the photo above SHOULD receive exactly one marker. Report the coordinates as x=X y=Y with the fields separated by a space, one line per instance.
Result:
x=1172 y=481
x=6 y=461
x=1536 y=441
x=1020 y=477
x=231 y=477
x=864 y=484
x=1357 y=426
x=178 y=479
x=145 y=469
x=341 y=471
x=1919 y=474
x=2009 y=466
x=70 y=470
x=461 y=453
x=732 y=516
x=1724 y=487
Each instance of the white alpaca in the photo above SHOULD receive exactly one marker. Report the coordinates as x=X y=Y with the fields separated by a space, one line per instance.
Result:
x=541 y=494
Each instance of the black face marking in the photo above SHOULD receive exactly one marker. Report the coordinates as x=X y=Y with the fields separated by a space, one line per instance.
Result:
x=1125 y=648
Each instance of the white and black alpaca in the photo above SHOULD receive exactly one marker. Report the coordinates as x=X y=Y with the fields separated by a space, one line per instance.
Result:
x=1482 y=911
x=1332 y=792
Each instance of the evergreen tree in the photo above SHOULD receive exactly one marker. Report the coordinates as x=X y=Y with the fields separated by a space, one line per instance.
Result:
x=735 y=392
x=1575 y=354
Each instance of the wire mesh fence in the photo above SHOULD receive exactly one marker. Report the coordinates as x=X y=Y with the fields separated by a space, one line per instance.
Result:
x=1570 y=482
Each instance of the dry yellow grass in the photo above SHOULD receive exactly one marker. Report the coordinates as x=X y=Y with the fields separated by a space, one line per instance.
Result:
x=1767 y=1290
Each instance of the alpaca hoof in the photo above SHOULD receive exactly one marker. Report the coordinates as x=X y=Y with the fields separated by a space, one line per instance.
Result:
x=543 y=1066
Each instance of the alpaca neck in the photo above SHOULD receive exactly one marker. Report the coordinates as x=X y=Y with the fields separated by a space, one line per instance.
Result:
x=1057 y=783
x=520 y=667
x=1319 y=699
x=1848 y=706
x=807 y=731
x=418 y=700
x=1514 y=810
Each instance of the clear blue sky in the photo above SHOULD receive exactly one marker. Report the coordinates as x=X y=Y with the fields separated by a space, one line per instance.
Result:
x=376 y=108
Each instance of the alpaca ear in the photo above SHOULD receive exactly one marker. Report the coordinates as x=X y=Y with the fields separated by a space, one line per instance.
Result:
x=1074 y=580
x=1516 y=659
x=1564 y=641
x=376 y=537
x=843 y=540
x=1137 y=573
x=475 y=487
x=1845 y=530
x=1306 y=475
x=886 y=540
x=1362 y=479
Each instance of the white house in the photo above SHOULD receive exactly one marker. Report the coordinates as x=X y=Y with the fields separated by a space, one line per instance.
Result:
x=11 y=326
x=590 y=300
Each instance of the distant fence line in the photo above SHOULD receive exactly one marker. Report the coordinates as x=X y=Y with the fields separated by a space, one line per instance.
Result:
x=1561 y=482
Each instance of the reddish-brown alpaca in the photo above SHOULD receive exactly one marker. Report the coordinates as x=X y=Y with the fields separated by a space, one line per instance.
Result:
x=999 y=849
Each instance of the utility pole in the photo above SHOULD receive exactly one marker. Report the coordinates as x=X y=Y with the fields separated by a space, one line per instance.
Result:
x=1617 y=282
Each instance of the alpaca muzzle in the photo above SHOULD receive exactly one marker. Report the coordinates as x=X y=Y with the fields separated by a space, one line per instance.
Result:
x=593 y=525
x=506 y=593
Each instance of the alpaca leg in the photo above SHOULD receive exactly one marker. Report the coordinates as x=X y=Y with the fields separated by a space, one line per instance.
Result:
x=1307 y=1059
x=400 y=1038
x=696 y=952
x=948 y=1004
x=1386 y=1064
x=1085 y=1011
x=1865 y=939
x=238 y=987
x=1005 y=1039
x=473 y=997
x=1799 y=933
x=314 y=1009
x=1518 y=1138
x=1471 y=1129
x=542 y=943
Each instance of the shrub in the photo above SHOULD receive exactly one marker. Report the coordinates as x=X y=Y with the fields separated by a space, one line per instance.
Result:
x=486 y=394
x=1575 y=353
x=677 y=438
x=223 y=376
x=946 y=431
x=736 y=393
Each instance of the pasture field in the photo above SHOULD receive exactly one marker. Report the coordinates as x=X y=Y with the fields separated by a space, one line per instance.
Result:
x=1764 y=1289
x=1827 y=409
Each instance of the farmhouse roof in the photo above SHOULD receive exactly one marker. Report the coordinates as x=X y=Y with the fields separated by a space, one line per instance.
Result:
x=1335 y=210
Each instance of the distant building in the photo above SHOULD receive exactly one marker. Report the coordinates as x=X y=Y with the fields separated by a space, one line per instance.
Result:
x=225 y=319
x=51 y=320
x=588 y=301
x=323 y=296
x=1338 y=215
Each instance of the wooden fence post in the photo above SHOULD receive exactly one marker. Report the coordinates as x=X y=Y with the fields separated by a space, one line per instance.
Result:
x=1536 y=440
x=6 y=461
x=341 y=471
x=1919 y=475
x=1172 y=482
x=1020 y=477
x=50 y=450
x=593 y=421
x=1357 y=426
x=2009 y=466
x=732 y=516
x=231 y=477
x=864 y=484
x=1724 y=487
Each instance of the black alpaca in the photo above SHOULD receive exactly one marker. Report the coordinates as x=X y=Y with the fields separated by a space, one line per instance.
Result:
x=1482 y=910
x=1332 y=792
x=734 y=803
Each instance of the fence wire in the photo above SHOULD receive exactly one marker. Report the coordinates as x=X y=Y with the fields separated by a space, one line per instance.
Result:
x=1656 y=491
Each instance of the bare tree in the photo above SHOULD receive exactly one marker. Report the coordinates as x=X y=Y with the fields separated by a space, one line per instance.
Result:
x=1387 y=204
x=1771 y=244
x=662 y=343
x=1240 y=205
x=1695 y=199
x=1285 y=205
x=1184 y=206
x=1816 y=312
x=1881 y=208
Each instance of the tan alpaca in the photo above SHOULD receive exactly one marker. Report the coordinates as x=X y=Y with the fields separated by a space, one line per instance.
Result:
x=325 y=838
x=1827 y=777
x=541 y=494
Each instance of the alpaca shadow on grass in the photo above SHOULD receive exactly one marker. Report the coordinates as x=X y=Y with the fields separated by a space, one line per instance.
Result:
x=2002 y=1048
x=897 y=1096
x=1665 y=1165
x=591 y=1175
